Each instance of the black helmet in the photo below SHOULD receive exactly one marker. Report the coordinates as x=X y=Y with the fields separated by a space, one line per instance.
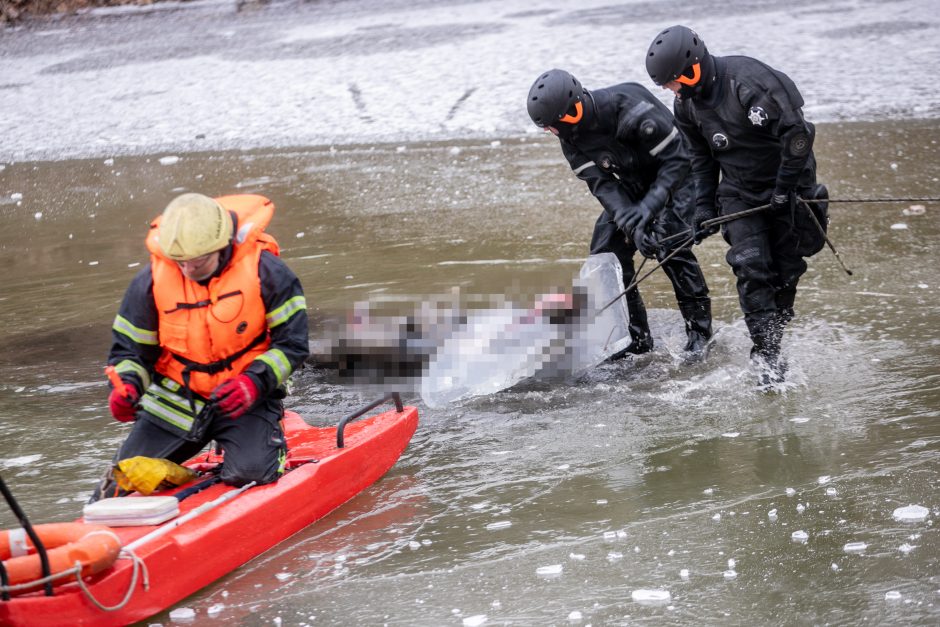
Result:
x=553 y=95
x=672 y=52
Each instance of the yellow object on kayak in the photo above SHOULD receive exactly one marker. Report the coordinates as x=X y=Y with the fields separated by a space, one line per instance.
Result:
x=146 y=474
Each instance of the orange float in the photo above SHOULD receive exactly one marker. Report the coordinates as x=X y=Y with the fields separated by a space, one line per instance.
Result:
x=94 y=547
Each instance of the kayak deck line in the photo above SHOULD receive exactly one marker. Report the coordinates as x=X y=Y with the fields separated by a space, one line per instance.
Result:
x=221 y=527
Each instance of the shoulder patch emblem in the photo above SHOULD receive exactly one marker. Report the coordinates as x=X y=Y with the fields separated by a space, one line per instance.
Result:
x=647 y=128
x=757 y=116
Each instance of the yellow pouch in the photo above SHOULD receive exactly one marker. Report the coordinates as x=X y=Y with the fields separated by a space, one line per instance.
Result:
x=146 y=474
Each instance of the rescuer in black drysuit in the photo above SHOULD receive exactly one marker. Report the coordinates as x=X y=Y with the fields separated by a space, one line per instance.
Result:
x=624 y=144
x=743 y=120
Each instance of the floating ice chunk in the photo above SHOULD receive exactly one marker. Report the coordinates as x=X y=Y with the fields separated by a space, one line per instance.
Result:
x=474 y=621
x=651 y=597
x=716 y=517
x=730 y=574
x=549 y=571
x=479 y=505
x=454 y=150
x=708 y=491
x=414 y=546
x=15 y=462
x=621 y=533
x=799 y=536
x=499 y=524
x=831 y=492
x=16 y=196
x=108 y=162
x=799 y=420
x=613 y=556
x=899 y=226
x=564 y=467
x=772 y=514
x=731 y=434
x=283 y=576
x=496 y=143
x=601 y=501
x=216 y=609
x=834 y=567
x=425 y=542
x=892 y=595
x=300 y=235
x=38 y=215
x=855 y=547
x=894 y=166
x=823 y=480
x=791 y=492
x=170 y=160
x=576 y=556
x=684 y=573
x=574 y=616
x=922 y=286
x=731 y=564
x=800 y=508
x=914 y=210
x=911 y=513
x=183 y=614
x=906 y=548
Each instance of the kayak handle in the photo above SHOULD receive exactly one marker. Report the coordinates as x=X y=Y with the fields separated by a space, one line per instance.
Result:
x=395 y=396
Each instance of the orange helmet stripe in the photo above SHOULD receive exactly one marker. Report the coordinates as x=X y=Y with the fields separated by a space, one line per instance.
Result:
x=573 y=119
x=696 y=75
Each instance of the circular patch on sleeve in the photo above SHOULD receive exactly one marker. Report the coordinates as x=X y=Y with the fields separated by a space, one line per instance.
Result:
x=799 y=144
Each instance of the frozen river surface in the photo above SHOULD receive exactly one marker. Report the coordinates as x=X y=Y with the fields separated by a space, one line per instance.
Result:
x=211 y=74
x=393 y=139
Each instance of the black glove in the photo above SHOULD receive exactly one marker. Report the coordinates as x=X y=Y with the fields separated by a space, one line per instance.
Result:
x=632 y=218
x=783 y=200
x=648 y=240
x=703 y=212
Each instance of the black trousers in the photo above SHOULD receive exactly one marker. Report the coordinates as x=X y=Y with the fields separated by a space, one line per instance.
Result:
x=253 y=444
x=764 y=256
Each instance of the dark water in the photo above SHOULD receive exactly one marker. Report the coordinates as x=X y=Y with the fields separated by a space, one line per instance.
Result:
x=622 y=478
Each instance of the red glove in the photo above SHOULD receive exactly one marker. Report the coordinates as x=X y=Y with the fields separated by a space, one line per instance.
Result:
x=236 y=396
x=123 y=402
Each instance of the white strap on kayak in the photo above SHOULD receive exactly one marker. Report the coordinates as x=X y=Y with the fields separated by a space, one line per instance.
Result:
x=18 y=546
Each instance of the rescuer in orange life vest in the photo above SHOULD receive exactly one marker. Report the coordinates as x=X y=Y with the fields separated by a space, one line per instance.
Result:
x=217 y=319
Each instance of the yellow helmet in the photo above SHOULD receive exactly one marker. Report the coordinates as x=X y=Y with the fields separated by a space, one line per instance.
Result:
x=194 y=225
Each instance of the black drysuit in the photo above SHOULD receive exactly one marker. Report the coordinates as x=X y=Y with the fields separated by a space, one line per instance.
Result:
x=628 y=150
x=747 y=124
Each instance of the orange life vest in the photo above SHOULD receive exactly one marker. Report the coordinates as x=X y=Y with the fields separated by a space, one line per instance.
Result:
x=209 y=333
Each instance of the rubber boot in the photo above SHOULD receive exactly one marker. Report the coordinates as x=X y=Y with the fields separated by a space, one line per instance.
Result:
x=698 y=328
x=766 y=334
x=641 y=341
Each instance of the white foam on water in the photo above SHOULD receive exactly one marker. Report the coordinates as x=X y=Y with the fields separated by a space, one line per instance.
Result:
x=16 y=462
x=684 y=573
x=614 y=556
x=823 y=480
x=855 y=547
x=574 y=616
x=911 y=513
x=183 y=614
x=730 y=574
x=906 y=548
x=651 y=597
x=475 y=620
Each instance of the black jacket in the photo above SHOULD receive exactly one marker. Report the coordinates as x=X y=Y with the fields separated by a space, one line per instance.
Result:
x=627 y=149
